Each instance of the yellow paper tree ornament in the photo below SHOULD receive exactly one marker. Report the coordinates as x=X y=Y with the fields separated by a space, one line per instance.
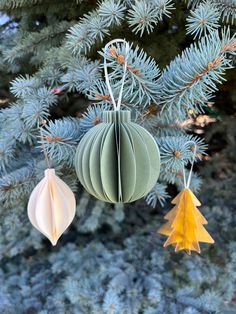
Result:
x=185 y=224
x=51 y=206
x=184 y=228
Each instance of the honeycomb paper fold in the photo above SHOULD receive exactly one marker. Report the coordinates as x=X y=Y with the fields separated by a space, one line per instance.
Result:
x=118 y=160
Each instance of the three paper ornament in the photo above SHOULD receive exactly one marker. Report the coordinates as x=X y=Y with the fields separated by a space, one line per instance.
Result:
x=117 y=161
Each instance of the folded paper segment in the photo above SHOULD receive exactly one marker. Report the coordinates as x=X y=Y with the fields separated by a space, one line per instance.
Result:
x=185 y=224
x=51 y=206
x=118 y=160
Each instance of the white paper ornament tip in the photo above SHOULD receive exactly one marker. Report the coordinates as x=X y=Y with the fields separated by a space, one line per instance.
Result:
x=51 y=206
x=54 y=240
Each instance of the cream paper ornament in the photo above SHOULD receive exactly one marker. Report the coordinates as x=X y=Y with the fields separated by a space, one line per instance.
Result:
x=117 y=160
x=51 y=206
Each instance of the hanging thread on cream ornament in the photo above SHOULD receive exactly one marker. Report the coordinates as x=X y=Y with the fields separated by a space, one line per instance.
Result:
x=117 y=161
x=51 y=206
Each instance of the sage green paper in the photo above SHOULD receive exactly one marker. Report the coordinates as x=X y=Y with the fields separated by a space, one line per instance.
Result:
x=117 y=160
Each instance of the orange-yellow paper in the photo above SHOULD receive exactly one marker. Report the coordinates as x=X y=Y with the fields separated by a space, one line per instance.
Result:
x=185 y=224
x=51 y=206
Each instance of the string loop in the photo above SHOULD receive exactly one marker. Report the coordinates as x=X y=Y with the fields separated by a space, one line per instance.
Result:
x=187 y=183
x=116 y=105
x=42 y=144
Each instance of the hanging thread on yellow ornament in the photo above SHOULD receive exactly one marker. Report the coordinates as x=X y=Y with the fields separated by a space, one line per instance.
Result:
x=185 y=222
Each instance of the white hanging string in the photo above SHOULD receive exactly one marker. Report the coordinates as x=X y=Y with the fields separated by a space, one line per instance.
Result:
x=43 y=122
x=116 y=105
x=187 y=183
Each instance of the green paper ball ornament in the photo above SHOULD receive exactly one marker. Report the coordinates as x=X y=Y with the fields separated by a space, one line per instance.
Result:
x=117 y=160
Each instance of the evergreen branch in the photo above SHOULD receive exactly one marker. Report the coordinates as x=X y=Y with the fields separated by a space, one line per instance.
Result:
x=204 y=19
x=17 y=185
x=81 y=75
x=174 y=152
x=92 y=117
x=141 y=85
x=190 y=83
x=12 y=5
x=36 y=101
x=94 y=26
x=21 y=119
x=157 y=194
x=177 y=151
x=193 y=3
x=227 y=8
x=60 y=139
x=23 y=86
x=144 y=15
x=99 y=93
x=112 y=12
x=15 y=128
x=48 y=36
x=36 y=106
x=7 y=152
